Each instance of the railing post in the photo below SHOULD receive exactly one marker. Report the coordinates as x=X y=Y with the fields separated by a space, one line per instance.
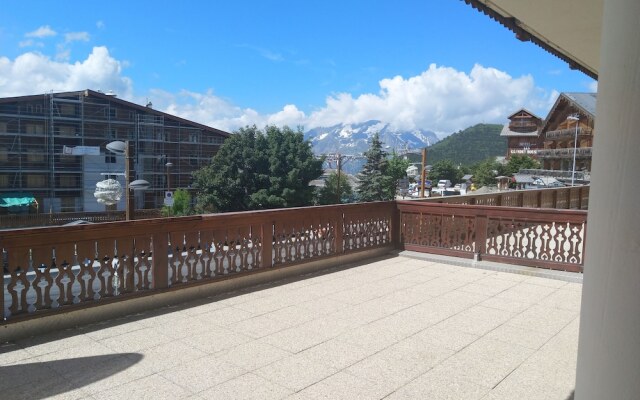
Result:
x=395 y=226
x=481 y=234
x=266 y=256
x=521 y=199
x=160 y=260
x=539 y=199
x=339 y=236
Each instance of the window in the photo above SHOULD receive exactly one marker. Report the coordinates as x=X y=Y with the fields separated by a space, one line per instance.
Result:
x=4 y=154
x=4 y=180
x=110 y=158
x=67 y=109
x=67 y=181
x=68 y=203
x=3 y=127
x=35 y=155
x=67 y=130
x=35 y=181
x=35 y=129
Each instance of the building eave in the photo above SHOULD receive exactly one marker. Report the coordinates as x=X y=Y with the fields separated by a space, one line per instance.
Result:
x=502 y=12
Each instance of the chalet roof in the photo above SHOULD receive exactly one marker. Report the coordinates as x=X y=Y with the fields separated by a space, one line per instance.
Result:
x=508 y=132
x=525 y=110
x=104 y=96
x=584 y=102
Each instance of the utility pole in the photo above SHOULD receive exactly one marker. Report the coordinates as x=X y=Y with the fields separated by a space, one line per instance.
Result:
x=423 y=174
x=339 y=165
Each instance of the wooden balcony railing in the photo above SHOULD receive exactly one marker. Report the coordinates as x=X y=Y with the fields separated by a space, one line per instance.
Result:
x=551 y=239
x=581 y=152
x=567 y=133
x=54 y=269
x=57 y=219
x=576 y=197
x=49 y=270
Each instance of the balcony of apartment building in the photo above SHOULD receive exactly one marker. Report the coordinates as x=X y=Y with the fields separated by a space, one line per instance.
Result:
x=401 y=299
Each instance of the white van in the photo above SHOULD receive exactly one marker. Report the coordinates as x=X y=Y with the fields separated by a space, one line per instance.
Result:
x=444 y=183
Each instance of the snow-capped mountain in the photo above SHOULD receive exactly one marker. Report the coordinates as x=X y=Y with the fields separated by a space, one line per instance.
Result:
x=354 y=138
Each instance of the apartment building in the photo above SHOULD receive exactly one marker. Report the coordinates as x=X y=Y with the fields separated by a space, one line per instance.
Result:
x=53 y=150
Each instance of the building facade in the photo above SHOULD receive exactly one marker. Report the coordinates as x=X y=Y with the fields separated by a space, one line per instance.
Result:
x=569 y=124
x=523 y=133
x=53 y=148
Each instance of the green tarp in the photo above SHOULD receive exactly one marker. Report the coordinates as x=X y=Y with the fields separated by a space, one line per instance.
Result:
x=16 y=199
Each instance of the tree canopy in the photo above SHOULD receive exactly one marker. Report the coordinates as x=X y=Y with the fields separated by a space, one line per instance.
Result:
x=445 y=169
x=258 y=170
x=518 y=162
x=329 y=193
x=181 y=204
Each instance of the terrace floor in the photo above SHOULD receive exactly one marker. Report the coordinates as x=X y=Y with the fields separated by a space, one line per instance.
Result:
x=393 y=328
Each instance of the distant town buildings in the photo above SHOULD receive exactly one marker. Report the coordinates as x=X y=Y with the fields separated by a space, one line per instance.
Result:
x=569 y=124
x=523 y=133
x=53 y=149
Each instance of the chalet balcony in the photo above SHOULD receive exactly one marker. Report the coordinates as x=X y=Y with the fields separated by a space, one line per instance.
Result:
x=305 y=303
x=568 y=133
x=581 y=152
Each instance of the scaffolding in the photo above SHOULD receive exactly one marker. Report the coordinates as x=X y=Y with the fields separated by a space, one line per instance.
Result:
x=38 y=134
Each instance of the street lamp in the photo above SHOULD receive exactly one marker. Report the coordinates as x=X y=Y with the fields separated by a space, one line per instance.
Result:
x=168 y=165
x=574 y=117
x=119 y=147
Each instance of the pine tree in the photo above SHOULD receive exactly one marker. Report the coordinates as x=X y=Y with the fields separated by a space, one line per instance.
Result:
x=374 y=181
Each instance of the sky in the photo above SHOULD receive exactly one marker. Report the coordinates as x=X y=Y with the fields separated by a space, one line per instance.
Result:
x=438 y=65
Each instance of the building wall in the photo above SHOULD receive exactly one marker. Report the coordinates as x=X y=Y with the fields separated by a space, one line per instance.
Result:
x=34 y=131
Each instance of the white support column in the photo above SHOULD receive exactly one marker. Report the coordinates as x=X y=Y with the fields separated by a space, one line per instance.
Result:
x=609 y=346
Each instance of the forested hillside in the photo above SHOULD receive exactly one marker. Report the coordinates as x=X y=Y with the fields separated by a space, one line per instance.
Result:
x=469 y=146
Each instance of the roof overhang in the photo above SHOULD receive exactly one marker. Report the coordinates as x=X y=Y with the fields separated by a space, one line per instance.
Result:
x=569 y=29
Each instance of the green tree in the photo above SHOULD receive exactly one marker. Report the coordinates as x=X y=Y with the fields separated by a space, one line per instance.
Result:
x=485 y=172
x=181 y=204
x=518 y=162
x=396 y=170
x=374 y=181
x=329 y=193
x=444 y=169
x=256 y=170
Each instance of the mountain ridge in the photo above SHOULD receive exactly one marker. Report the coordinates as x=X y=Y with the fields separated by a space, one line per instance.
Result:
x=354 y=138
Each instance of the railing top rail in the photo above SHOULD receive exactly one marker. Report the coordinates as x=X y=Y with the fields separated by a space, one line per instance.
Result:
x=538 y=214
x=145 y=227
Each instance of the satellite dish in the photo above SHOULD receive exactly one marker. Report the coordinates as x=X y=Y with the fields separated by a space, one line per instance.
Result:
x=117 y=147
x=139 y=184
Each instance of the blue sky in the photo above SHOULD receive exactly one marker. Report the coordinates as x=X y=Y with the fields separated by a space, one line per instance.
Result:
x=431 y=64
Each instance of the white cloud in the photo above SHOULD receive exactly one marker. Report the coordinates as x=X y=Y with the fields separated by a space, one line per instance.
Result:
x=32 y=73
x=441 y=99
x=41 y=32
x=76 y=37
x=100 y=25
x=30 y=43
x=593 y=86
